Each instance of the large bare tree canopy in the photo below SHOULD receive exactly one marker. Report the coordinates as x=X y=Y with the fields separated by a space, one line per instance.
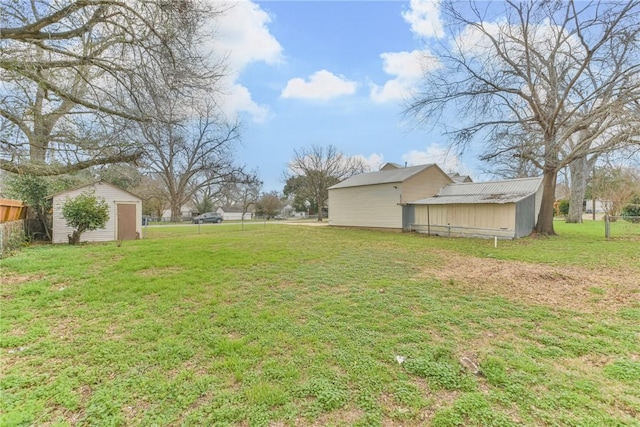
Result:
x=548 y=82
x=320 y=168
x=74 y=76
x=191 y=151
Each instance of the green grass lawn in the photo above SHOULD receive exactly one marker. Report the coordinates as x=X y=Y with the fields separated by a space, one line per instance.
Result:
x=284 y=325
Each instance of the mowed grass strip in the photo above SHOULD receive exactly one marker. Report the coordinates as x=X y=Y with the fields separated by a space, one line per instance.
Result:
x=289 y=325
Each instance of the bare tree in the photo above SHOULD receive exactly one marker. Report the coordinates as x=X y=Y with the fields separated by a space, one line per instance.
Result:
x=615 y=187
x=249 y=193
x=321 y=167
x=579 y=172
x=242 y=192
x=506 y=157
x=190 y=150
x=154 y=195
x=74 y=75
x=269 y=204
x=566 y=73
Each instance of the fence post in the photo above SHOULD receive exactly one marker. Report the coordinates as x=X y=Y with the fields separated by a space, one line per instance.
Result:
x=607 y=227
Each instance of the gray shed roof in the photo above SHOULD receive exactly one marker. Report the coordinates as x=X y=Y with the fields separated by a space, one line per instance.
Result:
x=496 y=192
x=382 y=177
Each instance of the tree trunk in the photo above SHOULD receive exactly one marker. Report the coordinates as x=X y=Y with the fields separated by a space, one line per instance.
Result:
x=578 y=170
x=320 y=204
x=176 y=214
x=545 y=217
x=74 y=237
x=41 y=214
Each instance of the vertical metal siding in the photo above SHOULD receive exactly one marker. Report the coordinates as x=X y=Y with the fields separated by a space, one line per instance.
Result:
x=525 y=216
x=481 y=217
x=408 y=216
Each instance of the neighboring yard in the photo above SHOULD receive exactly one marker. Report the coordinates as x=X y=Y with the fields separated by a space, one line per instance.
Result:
x=285 y=325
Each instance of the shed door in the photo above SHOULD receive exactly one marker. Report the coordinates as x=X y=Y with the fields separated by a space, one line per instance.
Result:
x=126 y=222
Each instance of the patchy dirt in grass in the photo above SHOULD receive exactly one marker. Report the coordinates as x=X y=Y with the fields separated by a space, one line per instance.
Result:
x=347 y=415
x=64 y=329
x=566 y=287
x=440 y=399
x=18 y=279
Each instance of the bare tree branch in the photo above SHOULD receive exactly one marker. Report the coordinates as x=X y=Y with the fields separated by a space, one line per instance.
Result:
x=320 y=168
x=75 y=72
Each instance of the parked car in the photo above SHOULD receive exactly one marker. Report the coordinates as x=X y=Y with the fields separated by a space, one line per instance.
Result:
x=207 y=217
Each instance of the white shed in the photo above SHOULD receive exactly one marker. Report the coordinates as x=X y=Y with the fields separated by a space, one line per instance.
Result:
x=375 y=199
x=125 y=214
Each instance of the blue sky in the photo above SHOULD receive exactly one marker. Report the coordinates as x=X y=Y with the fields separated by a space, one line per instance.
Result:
x=325 y=73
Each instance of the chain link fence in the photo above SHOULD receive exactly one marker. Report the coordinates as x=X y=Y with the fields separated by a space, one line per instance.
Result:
x=622 y=227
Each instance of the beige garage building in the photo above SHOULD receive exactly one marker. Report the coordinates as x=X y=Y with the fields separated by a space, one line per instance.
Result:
x=125 y=214
x=504 y=209
x=374 y=200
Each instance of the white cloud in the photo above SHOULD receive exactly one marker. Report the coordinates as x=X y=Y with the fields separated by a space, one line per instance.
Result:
x=242 y=37
x=238 y=98
x=424 y=17
x=374 y=162
x=321 y=85
x=408 y=67
x=439 y=154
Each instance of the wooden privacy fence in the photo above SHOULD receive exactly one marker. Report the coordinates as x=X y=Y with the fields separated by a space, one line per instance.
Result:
x=12 y=210
x=12 y=215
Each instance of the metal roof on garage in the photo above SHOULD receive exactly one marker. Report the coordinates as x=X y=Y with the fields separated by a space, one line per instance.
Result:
x=495 y=192
x=382 y=177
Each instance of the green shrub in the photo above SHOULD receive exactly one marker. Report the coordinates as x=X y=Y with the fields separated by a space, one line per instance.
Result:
x=631 y=212
x=563 y=207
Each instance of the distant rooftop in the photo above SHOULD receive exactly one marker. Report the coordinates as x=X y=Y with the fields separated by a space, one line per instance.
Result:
x=456 y=177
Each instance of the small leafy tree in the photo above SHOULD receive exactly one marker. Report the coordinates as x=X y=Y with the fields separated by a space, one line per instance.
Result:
x=85 y=212
x=33 y=191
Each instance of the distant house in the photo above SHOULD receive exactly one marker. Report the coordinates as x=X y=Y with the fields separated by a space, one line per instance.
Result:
x=125 y=214
x=375 y=199
x=186 y=213
x=288 y=211
x=456 y=177
x=504 y=209
x=233 y=213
